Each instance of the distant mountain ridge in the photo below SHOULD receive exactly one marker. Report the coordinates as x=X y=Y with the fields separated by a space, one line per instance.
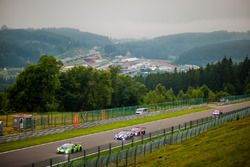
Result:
x=237 y=50
x=83 y=38
x=174 y=45
x=19 y=47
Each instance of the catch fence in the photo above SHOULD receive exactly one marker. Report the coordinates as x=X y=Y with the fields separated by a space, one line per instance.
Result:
x=127 y=152
x=182 y=132
x=54 y=119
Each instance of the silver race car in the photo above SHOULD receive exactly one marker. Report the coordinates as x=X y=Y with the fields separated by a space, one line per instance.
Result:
x=124 y=135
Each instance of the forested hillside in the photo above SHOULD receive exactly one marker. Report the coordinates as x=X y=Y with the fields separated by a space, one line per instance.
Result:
x=19 y=47
x=237 y=50
x=167 y=47
x=221 y=76
x=84 y=39
x=86 y=88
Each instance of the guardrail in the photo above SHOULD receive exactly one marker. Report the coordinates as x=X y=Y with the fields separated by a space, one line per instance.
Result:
x=93 y=118
x=176 y=135
x=146 y=143
x=53 y=119
x=49 y=131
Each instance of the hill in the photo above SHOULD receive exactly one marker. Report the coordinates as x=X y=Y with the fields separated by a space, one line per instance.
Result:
x=202 y=55
x=85 y=39
x=167 y=47
x=19 y=47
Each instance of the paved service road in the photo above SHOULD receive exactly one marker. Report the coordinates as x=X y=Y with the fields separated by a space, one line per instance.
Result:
x=29 y=155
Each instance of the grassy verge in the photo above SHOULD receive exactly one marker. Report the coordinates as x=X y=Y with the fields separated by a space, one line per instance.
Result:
x=227 y=145
x=80 y=132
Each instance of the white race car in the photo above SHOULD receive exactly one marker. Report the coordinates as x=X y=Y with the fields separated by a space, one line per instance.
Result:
x=217 y=112
x=124 y=135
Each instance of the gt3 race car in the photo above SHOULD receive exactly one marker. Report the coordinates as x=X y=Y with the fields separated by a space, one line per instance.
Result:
x=217 y=112
x=124 y=135
x=69 y=148
x=137 y=131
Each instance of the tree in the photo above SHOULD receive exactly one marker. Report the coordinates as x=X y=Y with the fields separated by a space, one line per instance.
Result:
x=85 y=89
x=4 y=27
x=247 y=89
x=127 y=91
x=3 y=102
x=159 y=95
x=221 y=75
x=35 y=87
x=181 y=95
x=169 y=96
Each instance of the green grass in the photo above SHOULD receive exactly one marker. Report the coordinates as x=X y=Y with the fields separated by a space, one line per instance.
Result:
x=225 y=146
x=81 y=132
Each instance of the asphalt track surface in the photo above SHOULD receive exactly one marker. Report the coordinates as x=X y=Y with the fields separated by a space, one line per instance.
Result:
x=32 y=154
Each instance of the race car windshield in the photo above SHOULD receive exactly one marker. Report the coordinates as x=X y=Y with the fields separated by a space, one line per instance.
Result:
x=122 y=133
x=65 y=146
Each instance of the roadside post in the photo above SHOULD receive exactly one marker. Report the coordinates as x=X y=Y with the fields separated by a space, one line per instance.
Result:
x=1 y=128
x=84 y=158
x=116 y=160
x=54 y=121
x=99 y=151
x=109 y=148
x=69 y=160
x=126 y=158
x=50 y=162
x=132 y=141
x=135 y=155
x=7 y=119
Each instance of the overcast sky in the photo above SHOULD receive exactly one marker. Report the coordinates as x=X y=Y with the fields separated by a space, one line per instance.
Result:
x=128 y=18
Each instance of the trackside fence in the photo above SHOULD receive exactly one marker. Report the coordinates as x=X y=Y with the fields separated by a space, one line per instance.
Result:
x=61 y=129
x=126 y=153
x=54 y=119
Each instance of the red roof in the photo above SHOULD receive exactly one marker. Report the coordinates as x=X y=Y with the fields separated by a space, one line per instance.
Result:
x=22 y=115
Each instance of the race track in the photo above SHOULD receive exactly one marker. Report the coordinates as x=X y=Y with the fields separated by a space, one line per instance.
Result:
x=27 y=156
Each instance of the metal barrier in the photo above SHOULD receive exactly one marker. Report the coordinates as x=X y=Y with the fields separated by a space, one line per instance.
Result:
x=48 y=131
x=53 y=119
x=140 y=146
x=131 y=155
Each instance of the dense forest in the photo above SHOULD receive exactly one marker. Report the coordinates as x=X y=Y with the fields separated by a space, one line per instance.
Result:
x=43 y=87
x=19 y=47
x=207 y=47
x=234 y=78
x=237 y=50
